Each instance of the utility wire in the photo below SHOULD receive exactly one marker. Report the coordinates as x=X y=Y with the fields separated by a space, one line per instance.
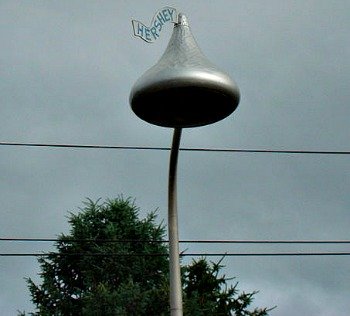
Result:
x=195 y=254
x=227 y=150
x=198 y=241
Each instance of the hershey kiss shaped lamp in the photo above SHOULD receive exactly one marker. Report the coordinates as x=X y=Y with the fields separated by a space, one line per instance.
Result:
x=183 y=89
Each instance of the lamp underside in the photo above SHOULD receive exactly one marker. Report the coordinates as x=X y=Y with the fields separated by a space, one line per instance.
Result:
x=189 y=106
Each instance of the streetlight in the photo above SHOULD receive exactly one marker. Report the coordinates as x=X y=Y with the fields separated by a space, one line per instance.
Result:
x=183 y=89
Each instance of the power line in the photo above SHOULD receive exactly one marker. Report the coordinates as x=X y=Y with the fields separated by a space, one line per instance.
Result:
x=195 y=254
x=198 y=241
x=227 y=150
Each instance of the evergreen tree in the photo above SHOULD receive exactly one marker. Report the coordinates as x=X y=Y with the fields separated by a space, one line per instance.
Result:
x=113 y=263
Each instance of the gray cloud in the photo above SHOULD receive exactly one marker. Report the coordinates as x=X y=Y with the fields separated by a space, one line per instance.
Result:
x=66 y=71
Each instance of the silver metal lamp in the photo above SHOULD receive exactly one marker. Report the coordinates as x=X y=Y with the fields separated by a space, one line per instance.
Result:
x=183 y=89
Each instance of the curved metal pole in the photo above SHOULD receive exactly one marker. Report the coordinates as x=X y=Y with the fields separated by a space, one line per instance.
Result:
x=174 y=258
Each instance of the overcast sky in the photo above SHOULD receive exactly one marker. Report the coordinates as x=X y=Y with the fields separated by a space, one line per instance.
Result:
x=66 y=70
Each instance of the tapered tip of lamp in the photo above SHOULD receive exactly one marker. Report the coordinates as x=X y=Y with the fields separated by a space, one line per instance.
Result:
x=182 y=20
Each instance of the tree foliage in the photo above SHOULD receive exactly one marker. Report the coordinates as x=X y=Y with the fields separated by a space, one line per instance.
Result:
x=208 y=293
x=112 y=263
